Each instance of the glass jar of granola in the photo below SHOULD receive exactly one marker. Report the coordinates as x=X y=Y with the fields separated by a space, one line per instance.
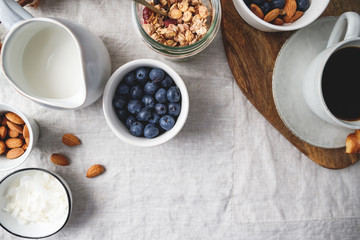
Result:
x=190 y=27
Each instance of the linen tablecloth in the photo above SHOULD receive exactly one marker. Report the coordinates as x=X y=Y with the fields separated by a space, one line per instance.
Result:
x=227 y=175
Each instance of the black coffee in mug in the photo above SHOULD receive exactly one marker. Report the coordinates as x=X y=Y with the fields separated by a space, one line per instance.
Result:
x=341 y=83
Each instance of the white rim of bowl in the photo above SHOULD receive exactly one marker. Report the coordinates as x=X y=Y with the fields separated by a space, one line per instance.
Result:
x=67 y=194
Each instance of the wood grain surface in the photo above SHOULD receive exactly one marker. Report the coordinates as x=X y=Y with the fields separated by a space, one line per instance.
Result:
x=251 y=55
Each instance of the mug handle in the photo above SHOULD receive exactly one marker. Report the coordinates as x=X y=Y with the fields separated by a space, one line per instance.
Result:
x=347 y=26
x=11 y=12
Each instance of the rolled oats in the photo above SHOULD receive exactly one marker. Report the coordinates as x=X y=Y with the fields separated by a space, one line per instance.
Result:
x=187 y=22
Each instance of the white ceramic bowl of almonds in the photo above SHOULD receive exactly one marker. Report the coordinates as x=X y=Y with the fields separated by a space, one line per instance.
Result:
x=33 y=132
x=316 y=8
x=34 y=203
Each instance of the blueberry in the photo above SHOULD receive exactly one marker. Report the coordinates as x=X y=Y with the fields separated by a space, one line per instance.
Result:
x=277 y=4
x=122 y=114
x=134 y=106
x=120 y=102
x=130 y=120
x=156 y=2
x=142 y=75
x=265 y=7
x=160 y=95
x=151 y=131
x=154 y=118
x=173 y=94
x=149 y=101
x=144 y=114
x=258 y=2
x=130 y=78
x=174 y=109
x=160 y=109
x=151 y=87
x=156 y=75
x=167 y=82
x=137 y=129
x=248 y=3
x=136 y=92
x=167 y=122
x=123 y=89
x=302 y=5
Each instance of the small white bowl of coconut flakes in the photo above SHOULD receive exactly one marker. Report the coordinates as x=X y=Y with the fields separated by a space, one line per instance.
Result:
x=34 y=203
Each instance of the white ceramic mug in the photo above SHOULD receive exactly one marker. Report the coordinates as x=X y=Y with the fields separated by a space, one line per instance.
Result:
x=54 y=62
x=346 y=33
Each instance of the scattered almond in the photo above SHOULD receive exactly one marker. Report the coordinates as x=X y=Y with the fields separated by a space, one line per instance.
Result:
x=272 y=15
x=290 y=7
x=14 y=143
x=59 y=159
x=257 y=10
x=3 y=132
x=13 y=117
x=15 y=153
x=70 y=140
x=2 y=147
x=94 y=171
x=14 y=127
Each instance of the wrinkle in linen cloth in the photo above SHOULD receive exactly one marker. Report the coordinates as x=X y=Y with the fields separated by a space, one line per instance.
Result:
x=227 y=175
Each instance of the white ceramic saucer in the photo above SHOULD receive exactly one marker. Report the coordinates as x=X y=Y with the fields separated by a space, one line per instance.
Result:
x=290 y=66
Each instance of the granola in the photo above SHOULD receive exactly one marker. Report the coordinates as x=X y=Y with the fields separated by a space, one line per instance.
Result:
x=185 y=25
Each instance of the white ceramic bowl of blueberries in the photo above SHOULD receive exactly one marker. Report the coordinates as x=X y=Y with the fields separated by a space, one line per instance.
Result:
x=145 y=103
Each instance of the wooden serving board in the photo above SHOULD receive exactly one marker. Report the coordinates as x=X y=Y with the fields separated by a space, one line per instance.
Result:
x=251 y=55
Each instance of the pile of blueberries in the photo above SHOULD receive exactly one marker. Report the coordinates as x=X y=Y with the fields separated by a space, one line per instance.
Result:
x=148 y=102
x=266 y=6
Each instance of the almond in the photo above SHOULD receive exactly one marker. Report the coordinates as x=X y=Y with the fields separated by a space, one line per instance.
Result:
x=3 y=132
x=94 y=171
x=290 y=7
x=12 y=117
x=2 y=147
x=257 y=11
x=15 y=153
x=296 y=16
x=4 y=121
x=14 y=127
x=278 y=21
x=26 y=132
x=70 y=140
x=25 y=146
x=272 y=15
x=59 y=159
x=14 y=143
x=13 y=134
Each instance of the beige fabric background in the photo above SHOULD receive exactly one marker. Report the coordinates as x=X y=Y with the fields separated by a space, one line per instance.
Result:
x=228 y=174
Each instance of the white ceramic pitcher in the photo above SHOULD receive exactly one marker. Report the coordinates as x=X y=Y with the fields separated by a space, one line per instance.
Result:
x=54 y=62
